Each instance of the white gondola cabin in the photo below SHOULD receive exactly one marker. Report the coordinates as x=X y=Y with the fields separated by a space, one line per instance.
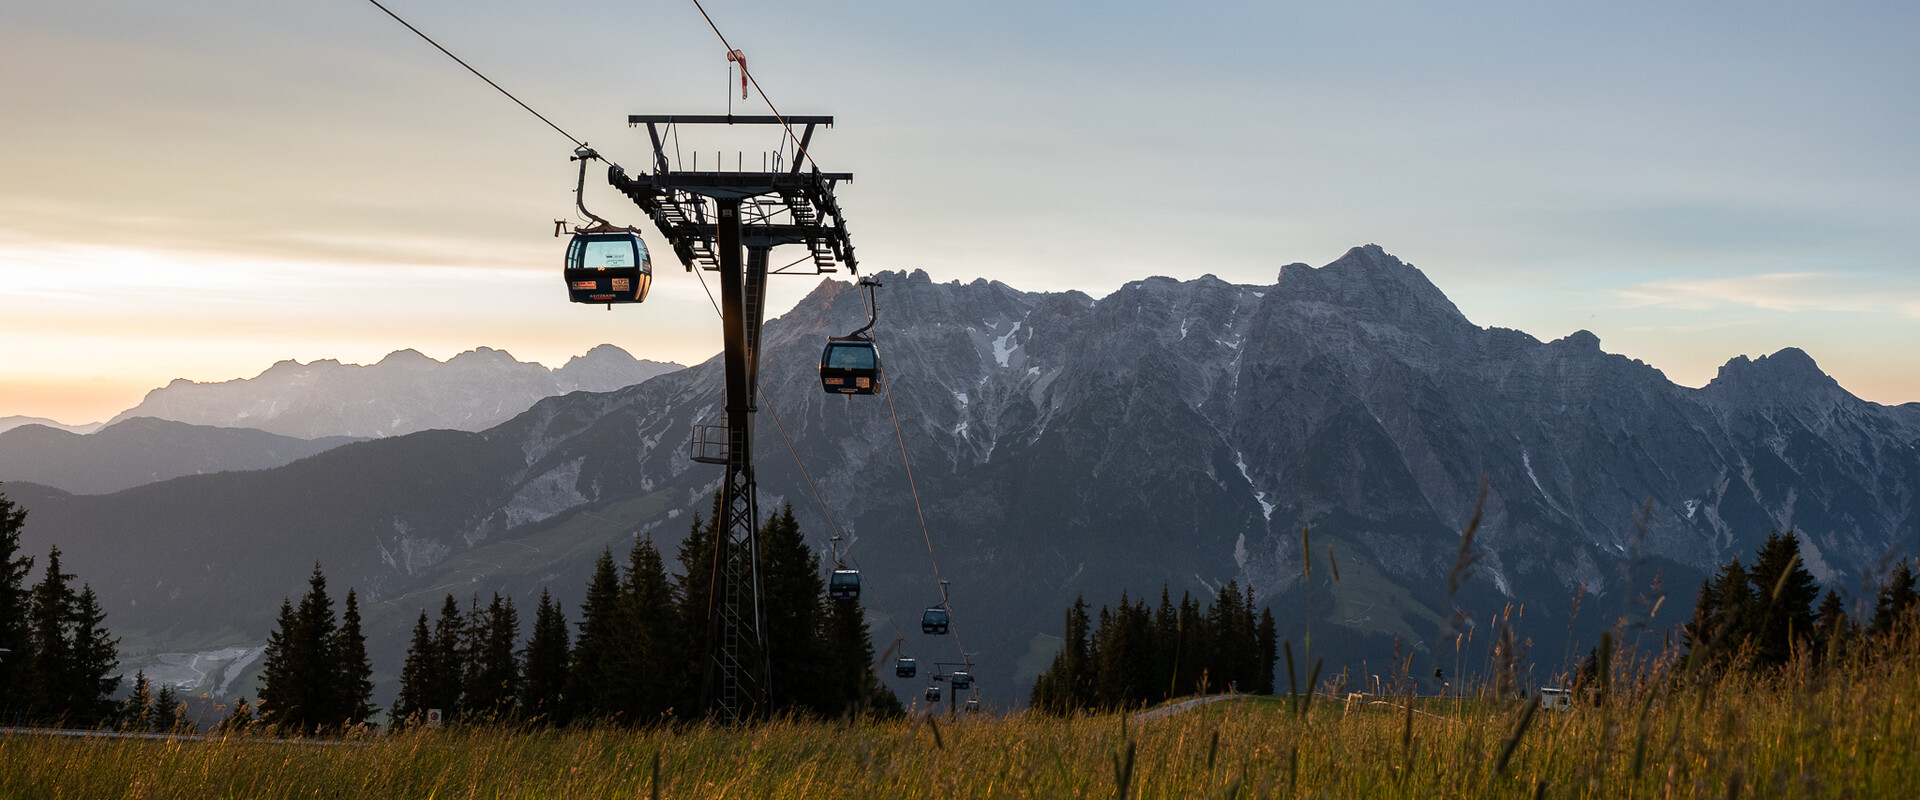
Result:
x=608 y=267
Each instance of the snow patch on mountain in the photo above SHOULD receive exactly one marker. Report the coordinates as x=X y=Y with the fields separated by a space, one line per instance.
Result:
x=1266 y=508
x=402 y=393
x=553 y=492
x=410 y=553
x=1001 y=351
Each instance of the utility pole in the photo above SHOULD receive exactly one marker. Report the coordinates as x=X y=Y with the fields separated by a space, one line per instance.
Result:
x=709 y=217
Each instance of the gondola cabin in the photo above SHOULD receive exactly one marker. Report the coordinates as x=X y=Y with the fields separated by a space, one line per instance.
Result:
x=844 y=584
x=608 y=267
x=934 y=621
x=973 y=704
x=933 y=693
x=906 y=667
x=849 y=366
x=962 y=681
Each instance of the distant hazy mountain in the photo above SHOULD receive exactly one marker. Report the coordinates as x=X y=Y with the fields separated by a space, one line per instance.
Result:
x=143 y=450
x=403 y=393
x=1172 y=433
x=9 y=423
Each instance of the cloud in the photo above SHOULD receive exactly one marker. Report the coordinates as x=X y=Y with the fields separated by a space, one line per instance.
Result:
x=1778 y=291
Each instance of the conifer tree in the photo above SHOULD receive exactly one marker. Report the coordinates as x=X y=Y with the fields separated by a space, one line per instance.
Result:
x=1231 y=663
x=493 y=672
x=694 y=589
x=239 y=720
x=594 y=677
x=166 y=711
x=1268 y=651
x=354 y=681
x=16 y=634
x=545 y=657
x=792 y=592
x=1895 y=605
x=1122 y=645
x=1832 y=626
x=1068 y=682
x=50 y=658
x=1722 y=617
x=849 y=683
x=299 y=688
x=416 y=677
x=1193 y=650
x=136 y=710
x=277 y=671
x=653 y=634
x=1166 y=645
x=95 y=657
x=1782 y=618
x=447 y=660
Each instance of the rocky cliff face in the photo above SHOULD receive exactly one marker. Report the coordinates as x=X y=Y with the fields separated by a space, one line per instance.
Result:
x=402 y=393
x=1177 y=434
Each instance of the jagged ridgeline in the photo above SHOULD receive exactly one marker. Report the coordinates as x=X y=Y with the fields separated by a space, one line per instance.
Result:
x=1172 y=433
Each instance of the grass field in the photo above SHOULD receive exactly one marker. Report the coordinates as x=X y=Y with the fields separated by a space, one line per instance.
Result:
x=1854 y=733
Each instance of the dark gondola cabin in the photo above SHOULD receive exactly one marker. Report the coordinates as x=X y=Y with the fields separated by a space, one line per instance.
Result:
x=933 y=693
x=844 y=584
x=906 y=667
x=934 y=621
x=973 y=704
x=849 y=366
x=962 y=680
x=608 y=267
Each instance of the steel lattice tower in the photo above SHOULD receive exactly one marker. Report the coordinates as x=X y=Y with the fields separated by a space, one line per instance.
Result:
x=709 y=217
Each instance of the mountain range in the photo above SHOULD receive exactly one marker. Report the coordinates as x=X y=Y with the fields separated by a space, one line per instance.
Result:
x=9 y=423
x=402 y=393
x=141 y=450
x=1177 y=434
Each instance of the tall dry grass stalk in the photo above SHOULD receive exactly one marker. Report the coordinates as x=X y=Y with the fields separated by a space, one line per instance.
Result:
x=1848 y=732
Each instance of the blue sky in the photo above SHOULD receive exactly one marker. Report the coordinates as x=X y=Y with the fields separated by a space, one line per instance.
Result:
x=199 y=188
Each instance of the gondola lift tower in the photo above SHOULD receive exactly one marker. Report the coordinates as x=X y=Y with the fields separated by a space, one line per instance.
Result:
x=729 y=221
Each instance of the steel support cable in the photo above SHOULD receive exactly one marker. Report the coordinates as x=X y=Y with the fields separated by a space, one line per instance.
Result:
x=476 y=73
x=924 y=534
x=865 y=589
x=798 y=148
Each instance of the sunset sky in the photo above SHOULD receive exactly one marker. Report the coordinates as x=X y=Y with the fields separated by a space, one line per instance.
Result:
x=199 y=188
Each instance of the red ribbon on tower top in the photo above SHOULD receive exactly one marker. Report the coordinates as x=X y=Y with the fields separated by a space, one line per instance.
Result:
x=735 y=55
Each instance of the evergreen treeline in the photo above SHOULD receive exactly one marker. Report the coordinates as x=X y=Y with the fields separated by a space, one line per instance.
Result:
x=1765 y=617
x=145 y=710
x=56 y=654
x=1138 y=656
x=315 y=674
x=637 y=654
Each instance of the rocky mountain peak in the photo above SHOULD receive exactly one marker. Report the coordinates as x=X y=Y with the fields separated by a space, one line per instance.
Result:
x=401 y=358
x=483 y=355
x=1373 y=281
x=1789 y=376
x=1580 y=340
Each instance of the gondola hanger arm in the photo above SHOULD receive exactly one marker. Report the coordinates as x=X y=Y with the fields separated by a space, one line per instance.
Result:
x=583 y=154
